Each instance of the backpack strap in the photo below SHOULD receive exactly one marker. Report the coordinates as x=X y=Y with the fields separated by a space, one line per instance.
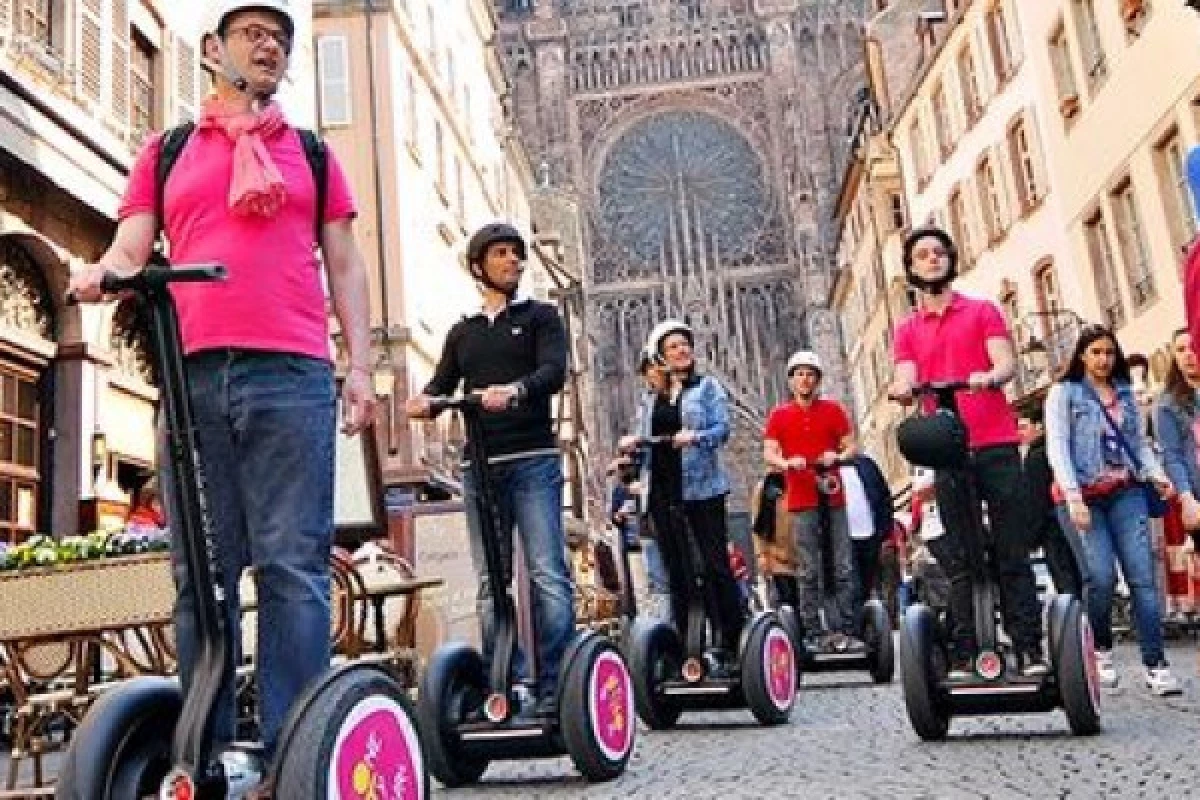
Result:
x=169 y=151
x=317 y=154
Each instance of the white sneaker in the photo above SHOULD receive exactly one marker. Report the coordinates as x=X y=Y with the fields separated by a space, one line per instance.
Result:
x=1161 y=682
x=1105 y=669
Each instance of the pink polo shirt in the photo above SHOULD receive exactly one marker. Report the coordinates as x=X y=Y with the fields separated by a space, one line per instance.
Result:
x=950 y=347
x=274 y=299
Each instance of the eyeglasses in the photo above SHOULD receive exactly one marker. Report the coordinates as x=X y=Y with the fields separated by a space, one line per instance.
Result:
x=258 y=34
x=922 y=253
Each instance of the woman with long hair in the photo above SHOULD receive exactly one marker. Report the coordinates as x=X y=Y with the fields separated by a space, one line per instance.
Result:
x=1100 y=460
x=687 y=485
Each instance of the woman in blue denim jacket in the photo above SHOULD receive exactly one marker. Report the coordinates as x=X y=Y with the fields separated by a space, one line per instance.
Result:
x=1104 y=505
x=686 y=484
x=1176 y=416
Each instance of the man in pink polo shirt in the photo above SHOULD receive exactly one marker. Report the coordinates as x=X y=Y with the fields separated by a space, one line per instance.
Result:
x=954 y=337
x=256 y=347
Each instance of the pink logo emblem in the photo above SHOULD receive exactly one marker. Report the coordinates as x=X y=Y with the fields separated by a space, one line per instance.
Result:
x=612 y=706
x=376 y=758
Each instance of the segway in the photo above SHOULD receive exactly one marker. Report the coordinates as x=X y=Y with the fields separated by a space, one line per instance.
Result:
x=936 y=439
x=672 y=676
x=877 y=656
x=469 y=712
x=349 y=733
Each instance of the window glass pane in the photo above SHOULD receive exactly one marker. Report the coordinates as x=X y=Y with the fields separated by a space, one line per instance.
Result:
x=27 y=400
x=25 y=447
x=26 y=506
x=8 y=394
x=7 y=434
x=6 y=501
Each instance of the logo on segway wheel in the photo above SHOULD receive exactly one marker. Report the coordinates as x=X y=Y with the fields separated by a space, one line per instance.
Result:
x=610 y=699
x=780 y=662
x=376 y=754
x=178 y=785
x=989 y=665
x=693 y=670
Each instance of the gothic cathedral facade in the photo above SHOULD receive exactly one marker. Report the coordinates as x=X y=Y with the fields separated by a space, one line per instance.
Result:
x=700 y=140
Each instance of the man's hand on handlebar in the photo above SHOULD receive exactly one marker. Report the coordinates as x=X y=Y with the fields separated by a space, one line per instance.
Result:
x=798 y=463
x=981 y=380
x=828 y=458
x=85 y=284
x=499 y=398
x=417 y=406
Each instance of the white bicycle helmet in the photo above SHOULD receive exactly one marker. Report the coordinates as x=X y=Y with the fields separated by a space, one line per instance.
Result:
x=662 y=330
x=221 y=10
x=805 y=358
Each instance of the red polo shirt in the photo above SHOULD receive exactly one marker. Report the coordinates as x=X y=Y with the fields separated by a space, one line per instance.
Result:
x=808 y=433
x=950 y=347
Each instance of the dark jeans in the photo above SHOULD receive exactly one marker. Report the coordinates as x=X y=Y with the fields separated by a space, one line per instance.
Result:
x=998 y=477
x=528 y=493
x=866 y=573
x=265 y=433
x=705 y=521
x=818 y=589
x=1061 y=557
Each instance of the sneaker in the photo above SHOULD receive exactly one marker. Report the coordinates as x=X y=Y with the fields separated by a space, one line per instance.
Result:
x=718 y=665
x=1034 y=666
x=1161 y=682
x=1105 y=669
x=547 y=707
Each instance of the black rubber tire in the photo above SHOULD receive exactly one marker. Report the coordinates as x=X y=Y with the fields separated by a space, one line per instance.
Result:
x=756 y=671
x=122 y=749
x=1077 y=684
x=1055 y=616
x=454 y=682
x=881 y=646
x=656 y=656
x=313 y=733
x=576 y=722
x=919 y=675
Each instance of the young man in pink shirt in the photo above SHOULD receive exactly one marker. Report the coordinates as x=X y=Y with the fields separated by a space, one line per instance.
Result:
x=257 y=347
x=955 y=337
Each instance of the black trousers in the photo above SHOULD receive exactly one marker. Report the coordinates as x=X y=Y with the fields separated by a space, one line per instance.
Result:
x=999 y=479
x=866 y=567
x=1061 y=559
x=787 y=592
x=700 y=523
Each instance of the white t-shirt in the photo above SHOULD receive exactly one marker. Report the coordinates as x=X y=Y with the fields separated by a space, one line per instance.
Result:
x=858 y=509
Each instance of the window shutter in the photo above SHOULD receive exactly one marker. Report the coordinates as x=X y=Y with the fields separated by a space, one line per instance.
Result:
x=120 y=63
x=6 y=18
x=333 y=65
x=185 y=81
x=91 y=50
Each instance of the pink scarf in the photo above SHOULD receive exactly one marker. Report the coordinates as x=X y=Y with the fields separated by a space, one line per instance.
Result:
x=256 y=187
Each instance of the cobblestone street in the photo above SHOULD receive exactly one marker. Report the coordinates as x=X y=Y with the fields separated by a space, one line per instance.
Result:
x=851 y=740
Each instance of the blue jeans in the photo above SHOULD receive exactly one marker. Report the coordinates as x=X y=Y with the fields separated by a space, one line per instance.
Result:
x=529 y=494
x=1120 y=531
x=265 y=435
x=656 y=570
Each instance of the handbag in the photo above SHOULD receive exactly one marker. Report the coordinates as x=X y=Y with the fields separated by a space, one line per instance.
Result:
x=1156 y=506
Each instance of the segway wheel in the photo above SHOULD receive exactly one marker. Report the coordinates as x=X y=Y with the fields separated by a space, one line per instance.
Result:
x=1055 y=616
x=454 y=684
x=657 y=656
x=769 y=671
x=1075 y=669
x=881 y=649
x=351 y=732
x=122 y=749
x=791 y=624
x=920 y=653
x=596 y=710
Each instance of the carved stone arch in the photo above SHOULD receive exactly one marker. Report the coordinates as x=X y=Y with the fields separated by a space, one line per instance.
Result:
x=26 y=292
x=666 y=68
x=129 y=342
x=719 y=62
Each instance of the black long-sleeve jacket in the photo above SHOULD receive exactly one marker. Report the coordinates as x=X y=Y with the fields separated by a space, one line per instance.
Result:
x=525 y=345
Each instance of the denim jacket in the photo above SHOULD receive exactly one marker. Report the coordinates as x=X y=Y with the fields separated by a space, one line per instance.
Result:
x=1173 y=426
x=703 y=408
x=1075 y=425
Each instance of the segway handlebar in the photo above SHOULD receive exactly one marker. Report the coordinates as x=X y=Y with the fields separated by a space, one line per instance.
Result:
x=472 y=401
x=156 y=277
x=945 y=386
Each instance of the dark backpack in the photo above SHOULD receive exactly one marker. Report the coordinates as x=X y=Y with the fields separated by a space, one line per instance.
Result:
x=173 y=142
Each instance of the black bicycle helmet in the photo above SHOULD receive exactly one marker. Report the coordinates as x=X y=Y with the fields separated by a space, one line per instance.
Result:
x=947 y=241
x=491 y=234
x=937 y=440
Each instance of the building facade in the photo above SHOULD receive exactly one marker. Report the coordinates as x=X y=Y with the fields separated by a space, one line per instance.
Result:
x=698 y=138
x=81 y=84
